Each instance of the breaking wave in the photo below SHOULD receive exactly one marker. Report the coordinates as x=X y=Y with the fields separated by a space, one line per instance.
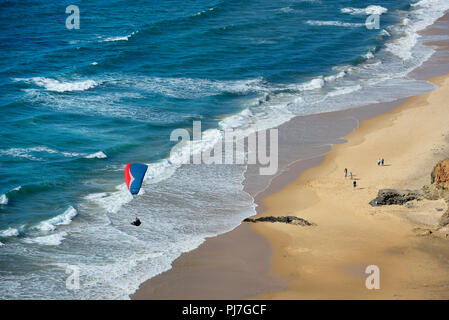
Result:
x=64 y=218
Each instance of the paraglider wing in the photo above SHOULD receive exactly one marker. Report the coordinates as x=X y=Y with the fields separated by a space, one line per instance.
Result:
x=134 y=173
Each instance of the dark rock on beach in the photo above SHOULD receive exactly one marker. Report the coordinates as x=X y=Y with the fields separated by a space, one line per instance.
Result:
x=284 y=219
x=438 y=189
x=393 y=196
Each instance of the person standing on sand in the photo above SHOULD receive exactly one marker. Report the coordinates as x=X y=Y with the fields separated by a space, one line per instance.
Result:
x=350 y=175
x=354 y=183
x=346 y=172
x=383 y=161
x=378 y=162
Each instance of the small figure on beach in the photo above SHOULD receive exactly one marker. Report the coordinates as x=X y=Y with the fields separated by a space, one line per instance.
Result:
x=383 y=161
x=136 y=222
x=346 y=172
x=354 y=183
x=350 y=175
x=378 y=162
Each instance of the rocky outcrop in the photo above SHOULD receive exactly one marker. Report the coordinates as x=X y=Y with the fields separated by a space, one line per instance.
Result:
x=438 y=189
x=435 y=191
x=284 y=219
x=394 y=196
x=440 y=174
x=444 y=220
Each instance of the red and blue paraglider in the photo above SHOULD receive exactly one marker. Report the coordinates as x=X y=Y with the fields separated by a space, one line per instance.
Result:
x=134 y=174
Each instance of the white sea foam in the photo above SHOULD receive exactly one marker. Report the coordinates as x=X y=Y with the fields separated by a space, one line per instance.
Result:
x=287 y=10
x=344 y=90
x=96 y=155
x=64 y=218
x=10 y=232
x=424 y=13
x=20 y=153
x=112 y=201
x=372 y=9
x=60 y=86
x=30 y=153
x=334 y=77
x=334 y=23
x=124 y=38
x=316 y=83
x=385 y=33
x=200 y=13
x=369 y=55
x=120 y=38
x=3 y=199
x=50 y=240
x=189 y=88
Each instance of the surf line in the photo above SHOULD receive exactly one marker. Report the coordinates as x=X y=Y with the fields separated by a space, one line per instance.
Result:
x=211 y=146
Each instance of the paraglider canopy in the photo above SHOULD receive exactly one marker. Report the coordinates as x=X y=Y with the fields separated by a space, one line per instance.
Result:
x=134 y=173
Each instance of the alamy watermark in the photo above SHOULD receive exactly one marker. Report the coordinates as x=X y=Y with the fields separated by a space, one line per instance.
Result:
x=373 y=280
x=373 y=22
x=73 y=20
x=73 y=280
x=226 y=147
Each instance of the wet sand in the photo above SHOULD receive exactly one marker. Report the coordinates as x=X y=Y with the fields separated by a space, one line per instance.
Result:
x=234 y=265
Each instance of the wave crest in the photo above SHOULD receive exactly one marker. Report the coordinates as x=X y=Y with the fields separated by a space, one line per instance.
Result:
x=372 y=9
x=61 y=86
x=96 y=155
x=10 y=232
x=3 y=199
x=334 y=23
x=64 y=218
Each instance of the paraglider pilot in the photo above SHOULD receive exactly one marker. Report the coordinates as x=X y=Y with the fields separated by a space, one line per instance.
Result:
x=136 y=222
x=134 y=174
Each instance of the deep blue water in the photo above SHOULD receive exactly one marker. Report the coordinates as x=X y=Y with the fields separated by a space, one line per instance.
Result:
x=77 y=105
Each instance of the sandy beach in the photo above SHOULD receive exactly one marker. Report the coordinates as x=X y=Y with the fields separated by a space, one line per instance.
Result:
x=328 y=261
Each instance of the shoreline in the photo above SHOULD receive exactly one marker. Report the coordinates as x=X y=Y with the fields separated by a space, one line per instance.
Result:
x=201 y=273
x=195 y=272
x=328 y=261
